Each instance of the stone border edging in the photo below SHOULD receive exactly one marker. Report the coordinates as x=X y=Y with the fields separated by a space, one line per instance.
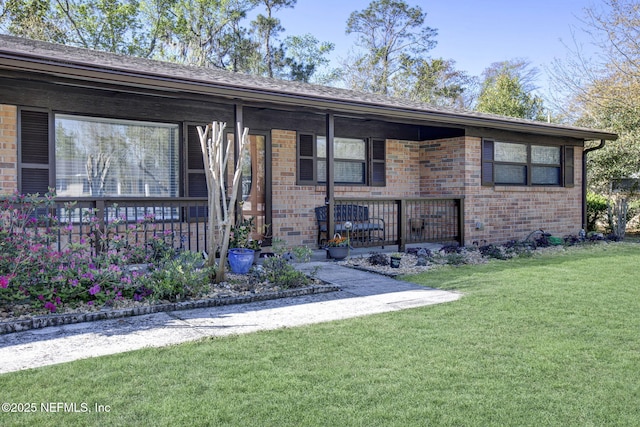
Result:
x=40 y=322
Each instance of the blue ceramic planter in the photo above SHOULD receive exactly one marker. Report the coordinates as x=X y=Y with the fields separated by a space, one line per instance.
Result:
x=240 y=260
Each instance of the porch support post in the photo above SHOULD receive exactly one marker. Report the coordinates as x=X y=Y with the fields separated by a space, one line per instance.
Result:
x=329 y=197
x=402 y=224
x=238 y=124
x=461 y=236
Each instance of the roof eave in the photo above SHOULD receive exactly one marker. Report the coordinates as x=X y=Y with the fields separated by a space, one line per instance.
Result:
x=90 y=72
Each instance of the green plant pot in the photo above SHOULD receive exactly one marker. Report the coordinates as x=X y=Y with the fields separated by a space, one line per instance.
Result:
x=339 y=252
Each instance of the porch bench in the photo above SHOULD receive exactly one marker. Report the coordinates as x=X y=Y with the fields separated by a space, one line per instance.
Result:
x=362 y=225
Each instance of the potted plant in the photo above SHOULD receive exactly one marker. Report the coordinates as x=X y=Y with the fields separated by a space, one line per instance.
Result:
x=241 y=256
x=338 y=247
x=396 y=258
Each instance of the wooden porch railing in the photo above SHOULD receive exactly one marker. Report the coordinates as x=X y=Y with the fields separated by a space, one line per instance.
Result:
x=408 y=221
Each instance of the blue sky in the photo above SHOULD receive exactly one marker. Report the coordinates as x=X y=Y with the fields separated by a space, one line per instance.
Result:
x=473 y=33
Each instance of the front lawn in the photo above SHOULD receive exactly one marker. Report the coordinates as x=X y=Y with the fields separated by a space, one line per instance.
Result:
x=546 y=340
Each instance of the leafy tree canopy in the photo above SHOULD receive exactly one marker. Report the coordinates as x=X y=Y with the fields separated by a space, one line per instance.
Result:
x=390 y=34
x=506 y=90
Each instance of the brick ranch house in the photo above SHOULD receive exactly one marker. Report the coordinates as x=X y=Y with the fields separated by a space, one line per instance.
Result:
x=103 y=128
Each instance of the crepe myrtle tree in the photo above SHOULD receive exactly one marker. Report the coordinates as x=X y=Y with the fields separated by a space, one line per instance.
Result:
x=222 y=206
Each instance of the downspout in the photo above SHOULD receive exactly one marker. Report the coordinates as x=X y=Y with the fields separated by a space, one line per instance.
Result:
x=584 y=180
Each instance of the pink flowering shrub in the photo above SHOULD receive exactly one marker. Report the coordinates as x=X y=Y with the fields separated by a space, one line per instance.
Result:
x=92 y=271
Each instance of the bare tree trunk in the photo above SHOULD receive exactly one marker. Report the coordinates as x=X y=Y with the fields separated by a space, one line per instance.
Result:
x=221 y=209
x=617 y=216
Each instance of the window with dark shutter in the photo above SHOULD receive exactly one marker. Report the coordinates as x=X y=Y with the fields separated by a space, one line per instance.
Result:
x=569 y=167
x=357 y=161
x=378 y=159
x=487 y=162
x=34 y=152
x=306 y=159
x=515 y=163
x=196 y=179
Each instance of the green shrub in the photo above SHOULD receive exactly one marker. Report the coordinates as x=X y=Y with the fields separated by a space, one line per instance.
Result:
x=180 y=277
x=281 y=273
x=596 y=210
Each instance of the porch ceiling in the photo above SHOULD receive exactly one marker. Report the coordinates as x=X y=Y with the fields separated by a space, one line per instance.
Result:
x=131 y=74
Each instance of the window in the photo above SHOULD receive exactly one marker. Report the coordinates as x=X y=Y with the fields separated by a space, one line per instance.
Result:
x=108 y=157
x=350 y=160
x=356 y=161
x=507 y=163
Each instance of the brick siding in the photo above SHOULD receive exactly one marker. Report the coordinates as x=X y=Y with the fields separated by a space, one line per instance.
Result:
x=8 y=149
x=440 y=168
x=452 y=167
x=294 y=218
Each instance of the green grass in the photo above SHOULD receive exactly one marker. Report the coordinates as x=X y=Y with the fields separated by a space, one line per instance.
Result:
x=551 y=340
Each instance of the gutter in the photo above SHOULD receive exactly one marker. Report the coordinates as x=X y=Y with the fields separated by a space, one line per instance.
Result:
x=584 y=180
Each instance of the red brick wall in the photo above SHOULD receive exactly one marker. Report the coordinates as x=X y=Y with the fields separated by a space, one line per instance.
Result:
x=8 y=149
x=443 y=168
x=294 y=218
x=452 y=167
x=448 y=167
x=508 y=213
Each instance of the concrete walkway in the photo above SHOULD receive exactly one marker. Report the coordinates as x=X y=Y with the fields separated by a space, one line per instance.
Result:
x=362 y=294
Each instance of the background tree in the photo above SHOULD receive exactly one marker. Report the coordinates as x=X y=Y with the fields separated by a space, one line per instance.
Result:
x=390 y=34
x=434 y=81
x=507 y=90
x=208 y=33
x=31 y=19
x=267 y=28
x=601 y=89
x=306 y=59
x=120 y=26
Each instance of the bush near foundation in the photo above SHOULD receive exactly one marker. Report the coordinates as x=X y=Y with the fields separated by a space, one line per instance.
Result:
x=34 y=273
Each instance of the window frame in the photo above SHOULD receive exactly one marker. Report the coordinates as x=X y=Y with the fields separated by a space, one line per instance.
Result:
x=28 y=182
x=307 y=156
x=489 y=164
x=135 y=176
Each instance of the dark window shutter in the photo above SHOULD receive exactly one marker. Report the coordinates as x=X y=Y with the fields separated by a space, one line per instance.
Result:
x=194 y=151
x=34 y=137
x=34 y=152
x=569 y=167
x=306 y=170
x=34 y=181
x=197 y=185
x=306 y=159
x=487 y=162
x=378 y=163
x=196 y=179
